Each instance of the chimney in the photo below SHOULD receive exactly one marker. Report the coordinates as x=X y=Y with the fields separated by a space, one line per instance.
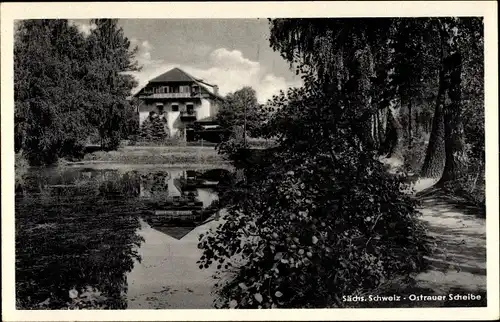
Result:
x=216 y=90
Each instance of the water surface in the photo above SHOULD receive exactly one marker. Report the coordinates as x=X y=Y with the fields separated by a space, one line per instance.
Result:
x=82 y=226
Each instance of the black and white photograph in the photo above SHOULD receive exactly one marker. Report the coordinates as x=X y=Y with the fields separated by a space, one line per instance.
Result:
x=323 y=162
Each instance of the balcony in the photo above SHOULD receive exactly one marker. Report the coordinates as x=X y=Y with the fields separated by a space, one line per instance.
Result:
x=188 y=116
x=170 y=95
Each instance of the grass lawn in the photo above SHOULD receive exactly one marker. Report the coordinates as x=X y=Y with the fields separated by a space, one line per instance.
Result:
x=159 y=154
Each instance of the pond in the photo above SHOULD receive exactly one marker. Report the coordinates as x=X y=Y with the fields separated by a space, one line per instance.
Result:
x=79 y=227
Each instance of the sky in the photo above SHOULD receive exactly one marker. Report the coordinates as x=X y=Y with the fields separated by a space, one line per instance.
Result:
x=230 y=53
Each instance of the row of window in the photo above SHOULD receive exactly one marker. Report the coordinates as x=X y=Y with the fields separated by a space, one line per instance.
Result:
x=175 y=108
x=171 y=89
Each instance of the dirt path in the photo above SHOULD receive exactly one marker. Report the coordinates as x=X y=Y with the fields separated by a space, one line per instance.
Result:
x=458 y=262
x=457 y=232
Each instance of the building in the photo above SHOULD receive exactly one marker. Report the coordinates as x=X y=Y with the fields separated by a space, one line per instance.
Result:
x=182 y=100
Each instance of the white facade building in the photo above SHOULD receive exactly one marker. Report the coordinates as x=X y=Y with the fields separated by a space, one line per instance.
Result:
x=181 y=98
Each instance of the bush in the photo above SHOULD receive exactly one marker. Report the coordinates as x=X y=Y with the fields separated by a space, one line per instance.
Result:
x=309 y=231
x=472 y=182
x=233 y=144
x=87 y=298
x=316 y=217
x=414 y=157
x=153 y=130
x=260 y=142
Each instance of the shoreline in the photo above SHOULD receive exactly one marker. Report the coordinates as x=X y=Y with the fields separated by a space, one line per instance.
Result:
x=131 y=166
x=195 y=157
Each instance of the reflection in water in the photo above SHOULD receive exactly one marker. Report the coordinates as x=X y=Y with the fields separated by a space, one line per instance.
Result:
x=77 y=227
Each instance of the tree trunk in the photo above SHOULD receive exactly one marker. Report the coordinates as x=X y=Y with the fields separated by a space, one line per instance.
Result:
x=375 y=130
x=364 y=133
x=410 y=134
x=358 y=91
x=382 y=124
x=393 y=138
x=435 y=157
x=453 y=126
x=417 y=123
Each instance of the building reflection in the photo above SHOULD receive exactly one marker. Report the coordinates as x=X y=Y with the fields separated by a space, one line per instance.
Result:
x=173 y=198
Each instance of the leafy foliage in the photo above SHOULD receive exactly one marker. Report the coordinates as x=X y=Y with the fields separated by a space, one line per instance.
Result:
x=87 y=298
x=240 y=109
x=472 y=181
x=318 y=216
x=234 y=143
x=401 y=67
x=153 y=129
x=317 y=225
x=66 y=84
x=75 y=240
x=110 y=59
x=47 y=92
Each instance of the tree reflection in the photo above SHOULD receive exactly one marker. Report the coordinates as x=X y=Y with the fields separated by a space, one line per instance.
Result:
x=68 y=236
x=76 y=228
x=155 y=184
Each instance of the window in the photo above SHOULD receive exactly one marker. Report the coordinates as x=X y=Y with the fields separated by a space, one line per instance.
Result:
x=190 y=108
x=159 y=107
x=175 y=107
x=159 y=90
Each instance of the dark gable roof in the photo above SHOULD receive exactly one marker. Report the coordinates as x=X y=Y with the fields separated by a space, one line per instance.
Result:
x=178 y=75
x=173 y=75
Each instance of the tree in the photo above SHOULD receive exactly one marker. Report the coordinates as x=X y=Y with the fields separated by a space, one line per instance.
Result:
x=111 y=59
x=131 y=117
x=146 y=131
x=358 y=62
x=393 y=140
x=412 y=60
x=456 y=158
x=241 y=108
x=435 y=157
x=153 y=128
x=159 y=129
x=66 y=84
x=446 y=154
x=320 y=199
x=48 y=93
x=472 y=48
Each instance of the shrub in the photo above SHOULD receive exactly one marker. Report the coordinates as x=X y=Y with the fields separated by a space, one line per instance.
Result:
x=414 y=157
x=317 y=216
x=312 y=230
x=472 y=182
x=88 y=298
x=153 y=130
x=233 y=144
